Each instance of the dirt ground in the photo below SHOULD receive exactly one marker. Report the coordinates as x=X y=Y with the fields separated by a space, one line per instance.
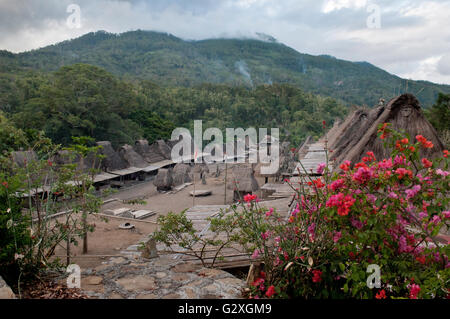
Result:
x=109 y=240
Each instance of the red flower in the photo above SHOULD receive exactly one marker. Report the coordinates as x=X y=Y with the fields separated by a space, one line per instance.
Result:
x=361 y=164
x=401 y=172
x=426 y=163
x=445 y=153
x=343 y=203
x=383 y=130
x=5 y=184
x=425 y=143
x=421 y=259
x=318 y=183
x=345 y=166
x=249 y=197
x=381 y=294
x=317 y=275
x=270 y=291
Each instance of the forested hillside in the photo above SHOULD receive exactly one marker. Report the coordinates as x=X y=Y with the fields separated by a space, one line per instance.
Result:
x=81 y=99
x=170 y=61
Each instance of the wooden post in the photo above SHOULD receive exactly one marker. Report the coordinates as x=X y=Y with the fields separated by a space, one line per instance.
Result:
x=68 y=249
x=226 y=172
x=193 y=195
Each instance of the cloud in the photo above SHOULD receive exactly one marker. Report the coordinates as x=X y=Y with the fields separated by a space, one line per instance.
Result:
x=443 y=65
x=413 y=40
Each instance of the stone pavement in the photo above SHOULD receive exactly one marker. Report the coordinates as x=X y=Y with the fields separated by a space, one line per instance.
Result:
x=5 y=291
x=159 y=278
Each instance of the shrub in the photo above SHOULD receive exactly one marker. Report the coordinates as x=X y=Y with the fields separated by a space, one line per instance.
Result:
x=385 y=212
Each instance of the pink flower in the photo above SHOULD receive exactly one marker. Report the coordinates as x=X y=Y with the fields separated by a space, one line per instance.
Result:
x=265 y=235
x=337 y=184
x=414 y=291
x=446 y=213
x=337 y=235
x=399 y=160
x=362 y=175
x=436 y=219
x=423 y=215
x=393 y=195
x=311 y=229
x=403 y=247
x=410 y=193
x=296 y=210
x=269 y=213
x=256 y=253
x=442 y=173
x=320 y=168
x=385 y=164
x=372 y=198
x=357 y=223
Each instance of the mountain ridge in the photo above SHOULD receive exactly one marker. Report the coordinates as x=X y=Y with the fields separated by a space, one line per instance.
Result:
x=171 y=61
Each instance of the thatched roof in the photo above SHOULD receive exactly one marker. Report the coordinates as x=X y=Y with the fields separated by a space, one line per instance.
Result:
x=181 y=174
x=112 y=160
x=133 y=159
x=358 y=133
x=351 y=131
x=243 y=178
x=163 y=180
x=156 y=152
x=20 y=158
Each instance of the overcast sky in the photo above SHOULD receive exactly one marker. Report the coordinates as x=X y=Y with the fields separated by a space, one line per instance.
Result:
x=410 y=38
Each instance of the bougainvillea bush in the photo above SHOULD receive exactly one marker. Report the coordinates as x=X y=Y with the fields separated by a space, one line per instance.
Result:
x=383 y=212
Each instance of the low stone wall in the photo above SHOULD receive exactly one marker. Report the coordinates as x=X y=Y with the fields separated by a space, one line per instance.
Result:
x=5 y=291
x=164 y=277
x=159 y=278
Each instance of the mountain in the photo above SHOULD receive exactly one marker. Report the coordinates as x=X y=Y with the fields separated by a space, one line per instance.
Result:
x=171 y=61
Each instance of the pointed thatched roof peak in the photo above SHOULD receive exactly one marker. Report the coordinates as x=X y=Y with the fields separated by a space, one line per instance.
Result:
x=358 y=133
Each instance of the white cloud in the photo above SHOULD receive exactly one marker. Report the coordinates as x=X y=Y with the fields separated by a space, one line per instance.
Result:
x=443 y=65
x=333 y=5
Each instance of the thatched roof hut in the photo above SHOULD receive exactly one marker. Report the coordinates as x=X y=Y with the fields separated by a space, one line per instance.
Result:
x=243 y=179
x=21 y=158
x=181 y=174
x=112 y=161
x=358 y=133
x=351 y=131
x=128 y=154
x=156 y=152
x=164 y=180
